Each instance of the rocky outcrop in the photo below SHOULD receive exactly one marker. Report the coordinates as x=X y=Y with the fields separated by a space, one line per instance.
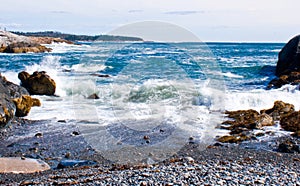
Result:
x=292 y=78
x=289 y=57
x=49 y=40
x=14 y=101
x=291 y=122
x=12 y=43
x=23 y=47
x=242 y=122
x=279 y=110
x=39 y=83
x=288 y=65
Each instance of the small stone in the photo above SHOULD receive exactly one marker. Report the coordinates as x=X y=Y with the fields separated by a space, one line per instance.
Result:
x=38 y=135
x=146 y=137
x=189 y=159
x=143 y=183
x=75 y=133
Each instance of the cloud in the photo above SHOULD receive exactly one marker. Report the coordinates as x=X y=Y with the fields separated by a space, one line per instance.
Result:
x=59 y=12
x=135 y=11
x=10 y=25
x=186 y=12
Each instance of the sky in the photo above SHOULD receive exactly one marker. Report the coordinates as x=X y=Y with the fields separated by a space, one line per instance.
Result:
x=209 y=20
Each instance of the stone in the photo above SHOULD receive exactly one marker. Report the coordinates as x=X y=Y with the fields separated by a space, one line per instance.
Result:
x=93 y=96
x=291 y=122
x=38 y=83
x=24 y=104
x=292 y=78
x=8 y=91
x=18 y=165
x=288 y=146
x=242 y=118
x=289 y=57
x=74 y=163
x=279 y=110
x=23 y=47
x=265 y=120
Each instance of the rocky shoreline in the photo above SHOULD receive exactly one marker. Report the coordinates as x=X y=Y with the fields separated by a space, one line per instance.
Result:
x=13 y=43
x=238 y=158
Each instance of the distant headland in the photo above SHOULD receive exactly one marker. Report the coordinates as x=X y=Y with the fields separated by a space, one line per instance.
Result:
x=24 y=42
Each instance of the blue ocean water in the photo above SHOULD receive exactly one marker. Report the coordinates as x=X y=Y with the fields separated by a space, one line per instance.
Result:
x=187 y=83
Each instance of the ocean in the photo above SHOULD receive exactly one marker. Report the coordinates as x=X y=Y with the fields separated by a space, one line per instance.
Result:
x=179 y=89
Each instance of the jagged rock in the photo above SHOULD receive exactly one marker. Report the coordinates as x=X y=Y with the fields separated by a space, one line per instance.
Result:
x=291 y=122
x=279 y=110
x=93 y=96
x=292 y=78
x=289 y=57
x=242 y=118
x=24 y=104
x=264 y=120
x=39 y=83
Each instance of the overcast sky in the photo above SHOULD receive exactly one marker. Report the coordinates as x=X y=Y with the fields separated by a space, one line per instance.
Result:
x=209 y=20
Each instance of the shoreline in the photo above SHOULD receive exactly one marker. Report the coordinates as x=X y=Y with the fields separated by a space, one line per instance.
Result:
x=192 y=164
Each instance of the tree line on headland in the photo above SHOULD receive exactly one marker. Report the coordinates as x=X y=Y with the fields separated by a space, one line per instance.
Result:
x=75 y=38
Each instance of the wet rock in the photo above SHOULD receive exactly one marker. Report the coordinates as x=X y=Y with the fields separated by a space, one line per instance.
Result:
x=288 y=146
x=19 y=165
x=74 y=163
x=24 y=104
x=292 y=78
x=291 y=122
x=242 y=118
x=8 y=91
x=265 y=120
x=279 y=110
x=93 y=96
x=101 y=75
x=233 y=138
x=289 y=57
x=39 y=83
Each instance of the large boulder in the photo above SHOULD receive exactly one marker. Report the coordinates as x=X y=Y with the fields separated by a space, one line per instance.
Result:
x=39 y=83
x=24 y=104
x=289 y=57
x=291 y=122
x=14 y=101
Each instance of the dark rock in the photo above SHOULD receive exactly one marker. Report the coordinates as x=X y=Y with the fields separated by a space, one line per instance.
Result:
x=291 y=122
x=101 y=75
x=74 y=163
x=289 y=57
x=93 y=96
x=39 y=83
x=288 y=146
x=292 y=78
